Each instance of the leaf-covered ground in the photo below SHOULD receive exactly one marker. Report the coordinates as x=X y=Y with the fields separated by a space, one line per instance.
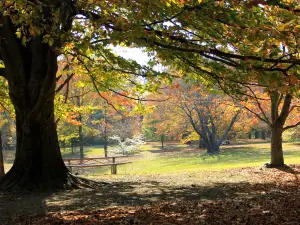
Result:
x=235 y=196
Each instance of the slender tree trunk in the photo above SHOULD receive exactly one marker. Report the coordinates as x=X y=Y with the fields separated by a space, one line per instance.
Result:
x=263 y=135
x=162 y=139
x=2 y=172
x=276 y=147
x=256 y=134
x=72 y=146
x=105 y=143
x=105 y=131
x=105 y=148
x=80 y=132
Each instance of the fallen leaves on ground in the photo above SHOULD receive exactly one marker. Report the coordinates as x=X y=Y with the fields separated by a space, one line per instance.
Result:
x=275 y=201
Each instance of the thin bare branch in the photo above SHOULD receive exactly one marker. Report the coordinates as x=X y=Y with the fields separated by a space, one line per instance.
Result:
x=291 y=126
x=259 y=106
x=65 y=82
x=107 y=101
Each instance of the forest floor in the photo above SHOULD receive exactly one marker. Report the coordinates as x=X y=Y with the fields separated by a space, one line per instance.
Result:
x=243 y=195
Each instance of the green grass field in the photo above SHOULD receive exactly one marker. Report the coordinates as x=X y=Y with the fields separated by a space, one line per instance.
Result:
x=177 y=158
x=180 y=158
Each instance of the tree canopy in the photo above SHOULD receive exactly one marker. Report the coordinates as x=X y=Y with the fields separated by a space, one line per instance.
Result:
x=234 y=44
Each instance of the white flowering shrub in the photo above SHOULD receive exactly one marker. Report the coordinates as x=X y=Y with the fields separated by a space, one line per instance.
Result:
x=128 y=146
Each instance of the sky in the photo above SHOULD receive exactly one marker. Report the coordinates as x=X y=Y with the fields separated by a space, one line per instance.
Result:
x=133 y=53
x=138 y=55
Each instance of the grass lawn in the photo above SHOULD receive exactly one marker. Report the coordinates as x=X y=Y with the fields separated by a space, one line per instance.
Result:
x=182 y=158
x=89 y=151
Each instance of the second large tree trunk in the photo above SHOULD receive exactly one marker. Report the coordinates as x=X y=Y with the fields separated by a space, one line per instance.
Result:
x=276 y=147
x=278 y=119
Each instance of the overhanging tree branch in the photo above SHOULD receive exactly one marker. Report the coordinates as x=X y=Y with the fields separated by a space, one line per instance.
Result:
x=107 y=101
x=216 y=52
x=257 y=115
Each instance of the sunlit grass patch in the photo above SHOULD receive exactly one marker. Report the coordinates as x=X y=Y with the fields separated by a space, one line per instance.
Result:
x=89 y=151
x=181 y=161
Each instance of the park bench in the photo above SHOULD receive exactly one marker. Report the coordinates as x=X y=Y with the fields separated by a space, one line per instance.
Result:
x=95 y=162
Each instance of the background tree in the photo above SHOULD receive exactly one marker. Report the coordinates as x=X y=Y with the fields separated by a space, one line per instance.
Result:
x=211 y=116
x=161 y=123
x=236 y=45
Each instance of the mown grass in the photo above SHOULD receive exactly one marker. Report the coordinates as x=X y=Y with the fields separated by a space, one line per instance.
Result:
x=176 y=160
x=89 y=151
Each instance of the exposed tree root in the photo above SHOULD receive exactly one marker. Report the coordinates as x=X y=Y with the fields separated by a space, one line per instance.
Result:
x=13 y=182
x=269 y=165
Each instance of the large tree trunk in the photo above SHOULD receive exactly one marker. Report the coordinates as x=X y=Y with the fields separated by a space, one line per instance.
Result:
x=202 y=143
x=212 y=146
x=31 y=74
x=2 y=172
x=213 y=150
x=277 y=126
x=276 y=147
x=38 y=163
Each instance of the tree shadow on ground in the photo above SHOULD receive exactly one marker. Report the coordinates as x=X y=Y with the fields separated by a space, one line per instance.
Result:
x=288 y=169
x=131 y=194
x=220 y=203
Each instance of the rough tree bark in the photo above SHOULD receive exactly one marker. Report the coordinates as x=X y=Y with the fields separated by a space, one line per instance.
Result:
x=31 y=74
x=2 y=172
x=276 y=147
x=202 y=143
